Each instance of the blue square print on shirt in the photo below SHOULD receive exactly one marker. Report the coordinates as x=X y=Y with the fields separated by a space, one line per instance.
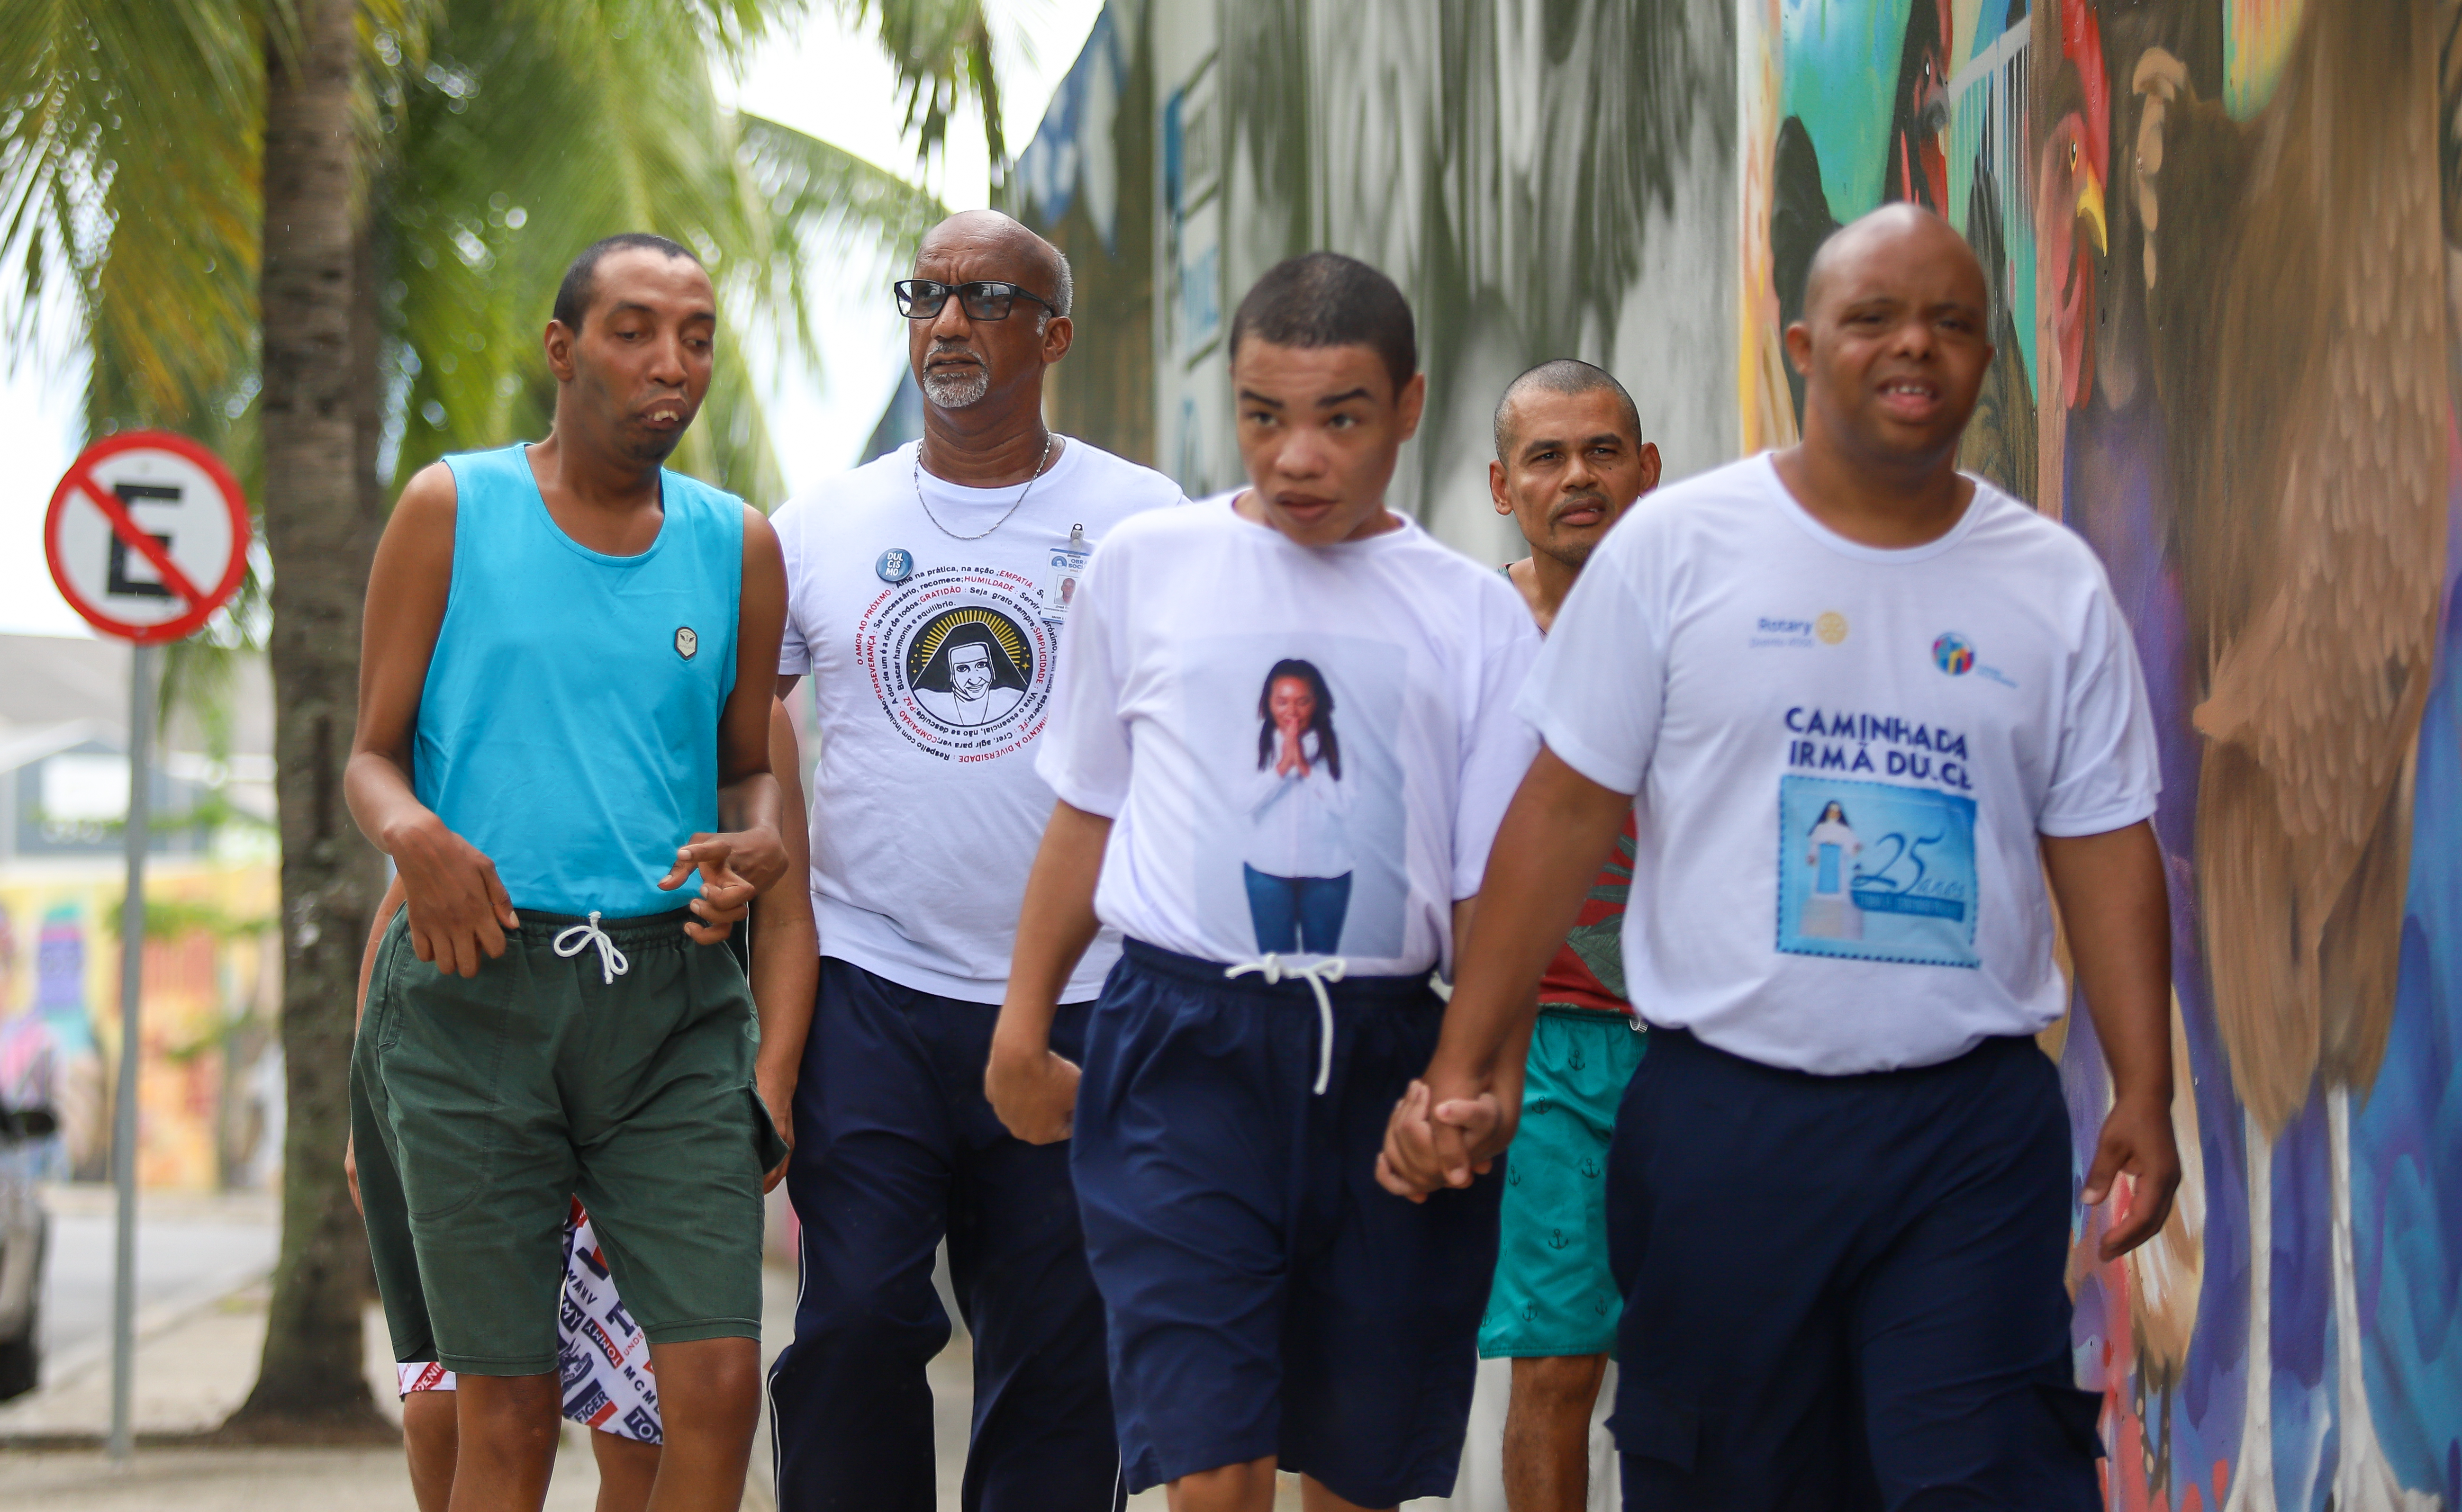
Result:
x=1870 y=870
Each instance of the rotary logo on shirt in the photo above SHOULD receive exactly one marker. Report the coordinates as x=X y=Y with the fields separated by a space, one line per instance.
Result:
x=960 y=659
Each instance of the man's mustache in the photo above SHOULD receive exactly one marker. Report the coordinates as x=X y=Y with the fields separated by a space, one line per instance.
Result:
x=1579 y=501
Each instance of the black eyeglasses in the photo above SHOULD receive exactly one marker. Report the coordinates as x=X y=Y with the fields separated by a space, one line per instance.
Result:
x=987 y=299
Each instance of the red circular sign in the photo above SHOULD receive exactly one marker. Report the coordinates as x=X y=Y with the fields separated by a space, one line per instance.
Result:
x=147 y=535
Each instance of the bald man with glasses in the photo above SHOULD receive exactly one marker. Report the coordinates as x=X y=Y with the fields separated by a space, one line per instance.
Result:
x=926 y=590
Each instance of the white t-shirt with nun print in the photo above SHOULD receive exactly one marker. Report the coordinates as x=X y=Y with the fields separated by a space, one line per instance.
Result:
x=1843 y=759
x=930 y=642
x=1253 y=715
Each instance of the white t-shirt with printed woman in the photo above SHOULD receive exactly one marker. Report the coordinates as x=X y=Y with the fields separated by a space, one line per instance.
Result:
x=1185 y=626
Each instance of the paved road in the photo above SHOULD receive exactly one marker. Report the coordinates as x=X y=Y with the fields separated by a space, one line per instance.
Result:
x=188 y=1249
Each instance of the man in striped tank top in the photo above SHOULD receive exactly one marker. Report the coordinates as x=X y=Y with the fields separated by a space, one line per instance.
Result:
x=563 y=744
x=1569 y=462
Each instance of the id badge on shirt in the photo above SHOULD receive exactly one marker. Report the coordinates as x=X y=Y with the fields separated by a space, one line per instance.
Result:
x=1066 y=565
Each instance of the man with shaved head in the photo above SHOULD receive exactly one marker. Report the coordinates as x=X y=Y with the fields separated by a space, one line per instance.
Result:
x=1569 y=462
x=1861 y=708
x=926 y=590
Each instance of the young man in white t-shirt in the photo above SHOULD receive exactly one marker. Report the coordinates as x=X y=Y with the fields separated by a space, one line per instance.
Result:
x=1283 y=737
x=926 y=592
x=1862 y=706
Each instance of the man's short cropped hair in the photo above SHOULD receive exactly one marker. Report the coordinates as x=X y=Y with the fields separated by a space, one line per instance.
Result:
x=580 y=285
x=1324 y=299
x=1562 y=376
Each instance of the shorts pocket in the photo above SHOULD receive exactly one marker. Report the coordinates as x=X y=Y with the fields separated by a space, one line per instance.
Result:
x=1655 y=1424
x=380 y=1016
x=443 y=1056
x=770 y=1148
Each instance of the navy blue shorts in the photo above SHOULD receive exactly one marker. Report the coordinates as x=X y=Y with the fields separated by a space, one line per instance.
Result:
x=1844 y=1292
x=1264 y=1295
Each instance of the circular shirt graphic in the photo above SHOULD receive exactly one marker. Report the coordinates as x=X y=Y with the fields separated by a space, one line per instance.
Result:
x=1953 y=654
x=961 y=661
x=1830 y=627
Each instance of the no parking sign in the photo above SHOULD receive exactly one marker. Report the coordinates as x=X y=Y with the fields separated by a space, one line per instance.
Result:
x=147 y=535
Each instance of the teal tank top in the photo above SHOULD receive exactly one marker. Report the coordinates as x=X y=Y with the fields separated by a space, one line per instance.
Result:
x=568 y=725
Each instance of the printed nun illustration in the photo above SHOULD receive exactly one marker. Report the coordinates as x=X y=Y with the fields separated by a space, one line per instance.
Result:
x=1873 y=870
x=1831 y=850
x=1298 y=861
x=970 y=680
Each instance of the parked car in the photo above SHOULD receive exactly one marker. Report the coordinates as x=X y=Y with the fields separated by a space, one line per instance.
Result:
x=25 y=1241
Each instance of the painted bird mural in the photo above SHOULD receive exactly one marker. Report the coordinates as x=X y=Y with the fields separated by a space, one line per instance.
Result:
x=2293 y=269
x=2072 y=165
x=1918 y=169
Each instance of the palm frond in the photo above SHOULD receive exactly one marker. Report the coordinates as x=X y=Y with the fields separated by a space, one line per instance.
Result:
x=942 y=51
x=138 y=115
x=534 y=128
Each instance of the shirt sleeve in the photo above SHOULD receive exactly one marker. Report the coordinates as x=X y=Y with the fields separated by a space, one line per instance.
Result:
x=1497 y=755
x=1596 y=691
x=1084 y=753
x=794 y=652
x=2109 y=773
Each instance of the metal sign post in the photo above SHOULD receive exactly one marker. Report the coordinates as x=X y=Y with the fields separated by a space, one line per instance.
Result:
x=123 y=1102
x=147 y=537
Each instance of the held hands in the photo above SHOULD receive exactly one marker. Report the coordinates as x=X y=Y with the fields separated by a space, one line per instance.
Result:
x=1033 y=1089
x=1436 y=1140
x=2137 y=1142
x=457 y=909
x=735 y=868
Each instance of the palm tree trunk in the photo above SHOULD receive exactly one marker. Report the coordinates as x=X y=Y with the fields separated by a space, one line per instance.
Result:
x=321 y=517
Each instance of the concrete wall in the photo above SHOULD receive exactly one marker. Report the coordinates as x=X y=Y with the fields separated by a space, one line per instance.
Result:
x=1542 y=180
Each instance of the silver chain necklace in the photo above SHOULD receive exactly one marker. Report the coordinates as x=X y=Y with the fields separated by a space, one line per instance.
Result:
x=1050 y=439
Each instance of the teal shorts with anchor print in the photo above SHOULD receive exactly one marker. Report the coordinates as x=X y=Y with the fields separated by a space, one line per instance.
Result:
x=1554 y=1294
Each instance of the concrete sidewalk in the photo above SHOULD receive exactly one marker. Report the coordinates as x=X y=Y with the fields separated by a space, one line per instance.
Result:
x=200 y=1330
x=193 y=1370
x=196 y=1358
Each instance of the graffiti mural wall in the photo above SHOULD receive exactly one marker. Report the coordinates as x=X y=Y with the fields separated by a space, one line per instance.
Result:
x=2219 y=234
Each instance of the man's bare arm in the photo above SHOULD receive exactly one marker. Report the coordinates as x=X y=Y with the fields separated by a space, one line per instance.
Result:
x=746 y=855
x=786 y=944
x=2117 y=910
x=1032 y=1089
x=1555 y=837
x=457 y=909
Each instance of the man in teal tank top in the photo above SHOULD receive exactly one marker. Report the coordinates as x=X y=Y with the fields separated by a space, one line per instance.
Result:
x=565 y=688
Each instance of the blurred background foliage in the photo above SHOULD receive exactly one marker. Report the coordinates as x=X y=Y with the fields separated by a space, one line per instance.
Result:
x=496 y=139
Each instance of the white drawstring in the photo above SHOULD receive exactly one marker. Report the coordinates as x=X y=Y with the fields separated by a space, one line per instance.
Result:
x=581 y=936
x=1274 y=969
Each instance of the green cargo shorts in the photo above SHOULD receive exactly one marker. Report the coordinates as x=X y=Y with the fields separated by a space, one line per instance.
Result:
x=481 y=1106
x=1554 y=1294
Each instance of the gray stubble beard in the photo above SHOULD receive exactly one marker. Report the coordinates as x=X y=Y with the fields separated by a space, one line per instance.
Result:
x=949 y=391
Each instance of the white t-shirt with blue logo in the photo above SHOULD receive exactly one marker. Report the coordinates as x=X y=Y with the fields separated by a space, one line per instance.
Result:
x=1841 y=758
